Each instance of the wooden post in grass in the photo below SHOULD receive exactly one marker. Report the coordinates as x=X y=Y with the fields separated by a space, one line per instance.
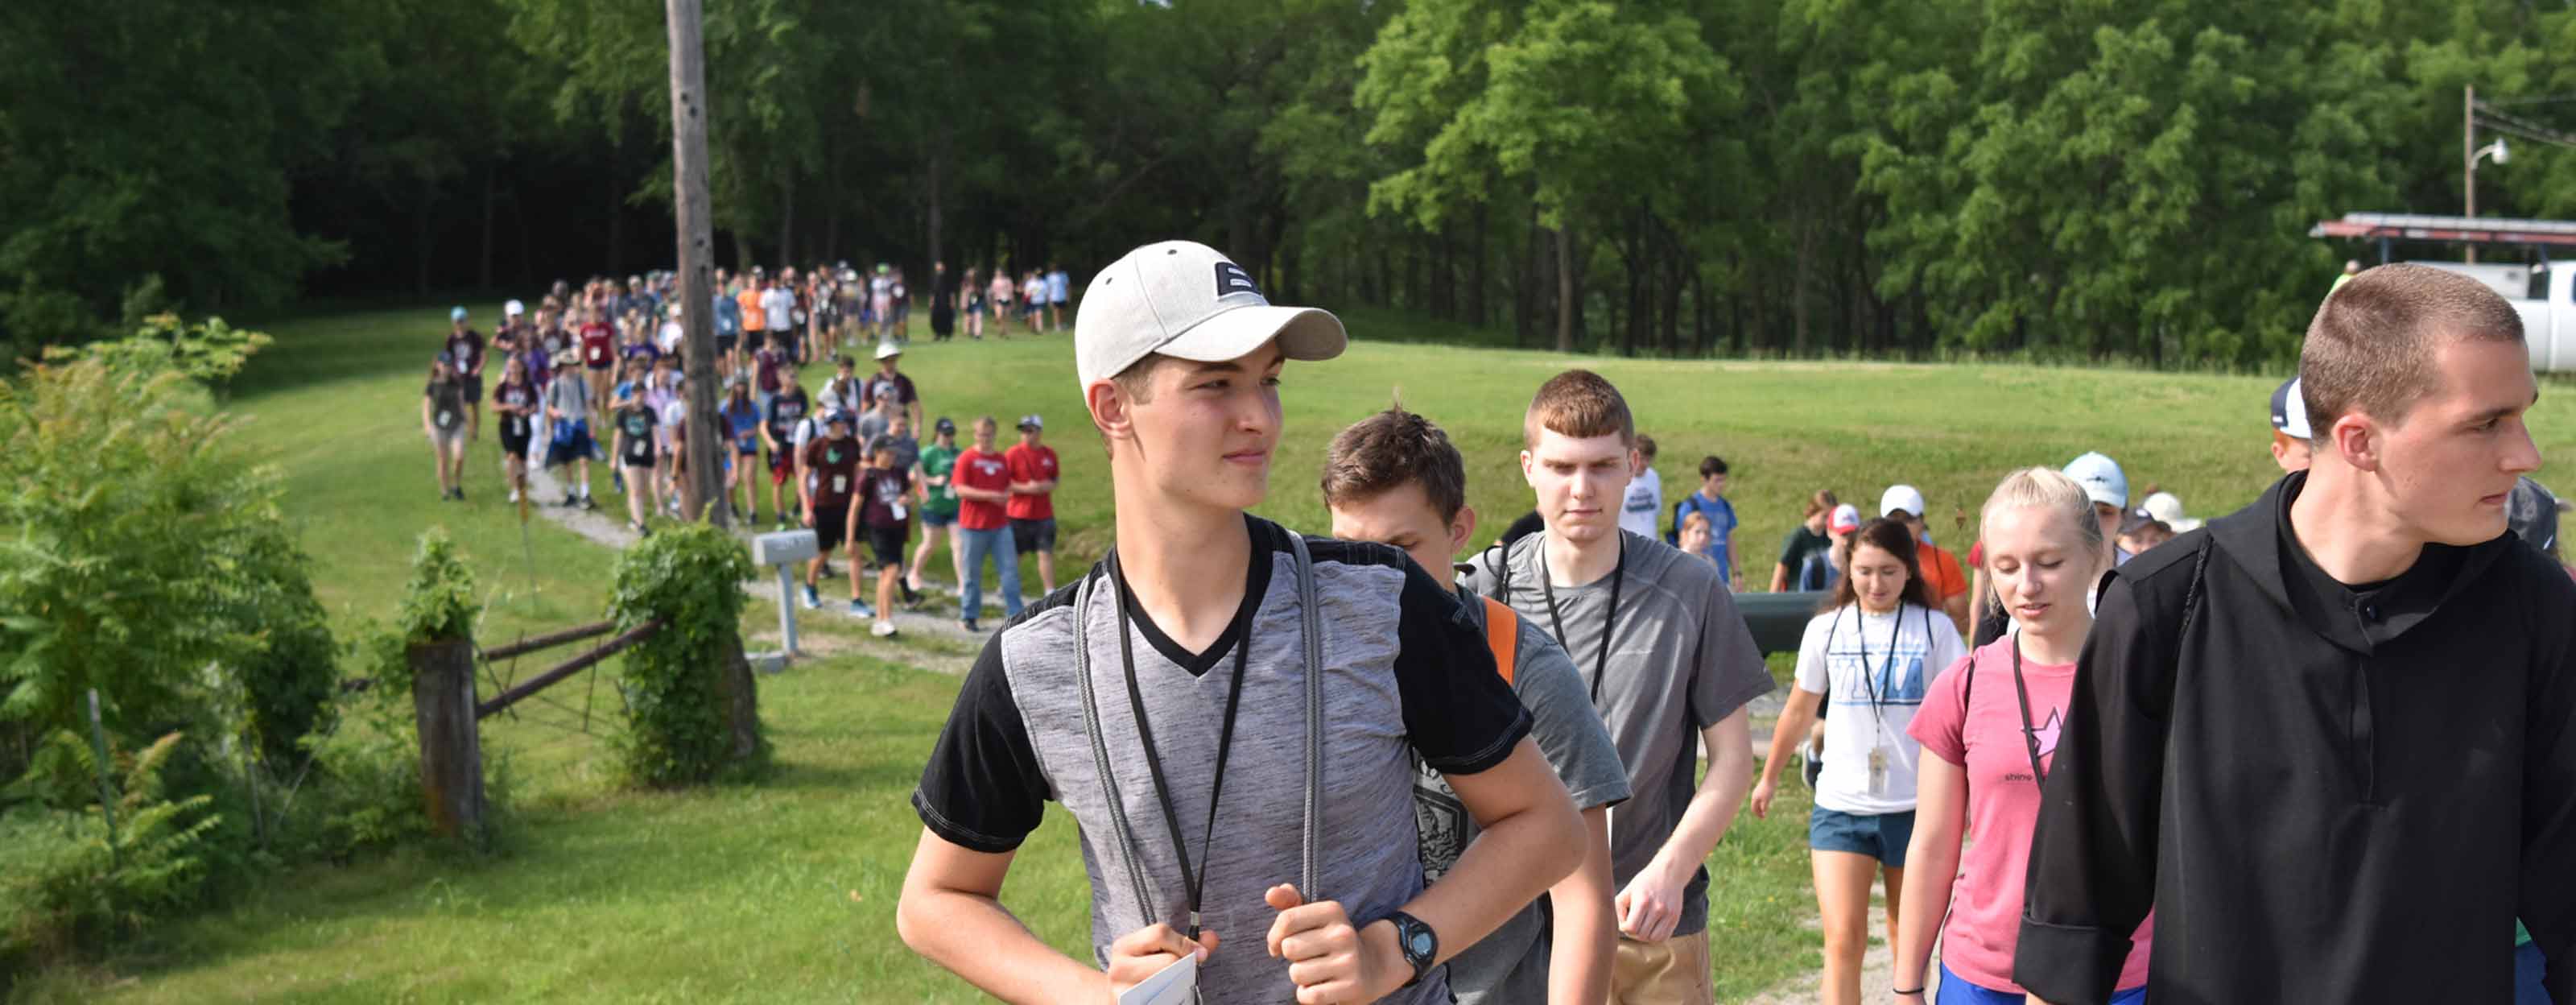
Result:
x=707 y=432
x=451 y=750
x=741 y=694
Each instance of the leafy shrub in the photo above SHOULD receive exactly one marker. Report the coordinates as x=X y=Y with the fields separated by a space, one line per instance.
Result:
x=66 y=881
x=209 y=351
x=677 y=725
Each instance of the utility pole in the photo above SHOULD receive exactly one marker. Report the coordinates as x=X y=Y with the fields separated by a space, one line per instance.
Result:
x=2469 y=157
x=697 y=256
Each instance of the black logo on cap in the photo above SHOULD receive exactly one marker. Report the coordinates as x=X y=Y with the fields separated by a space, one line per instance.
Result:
x=1230 y=278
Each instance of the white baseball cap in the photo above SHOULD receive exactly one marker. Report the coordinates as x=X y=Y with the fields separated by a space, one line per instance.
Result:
x=1186 y=300
x=513 y=309
x=2102 y=479
x=1900 y=497
x=2166 y=507
x=888 y=350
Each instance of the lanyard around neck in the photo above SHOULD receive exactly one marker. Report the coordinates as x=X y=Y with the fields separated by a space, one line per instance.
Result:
x=1609 y=620
x=2029 y=731
x=1195 y=879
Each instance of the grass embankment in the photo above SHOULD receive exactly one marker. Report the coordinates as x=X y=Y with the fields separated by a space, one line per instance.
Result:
x=785 y=890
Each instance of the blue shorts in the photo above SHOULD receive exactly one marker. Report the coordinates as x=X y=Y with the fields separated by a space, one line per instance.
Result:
x=1955 y=990
x=2527 y=967
x=1881 y=836
x=931 y=518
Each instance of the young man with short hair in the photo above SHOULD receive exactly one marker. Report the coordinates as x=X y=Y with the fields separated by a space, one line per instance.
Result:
x=1395 y=479
x=1669 y=663
x=982 y=480
x=1282 y=861
x=568 y=408
x=2332 y=737
x=2290 y=433
x=1645 y=500
x=1032 y=507
x=831 y=481
x=778 y=312
x=1709 y=502
x=784 y=411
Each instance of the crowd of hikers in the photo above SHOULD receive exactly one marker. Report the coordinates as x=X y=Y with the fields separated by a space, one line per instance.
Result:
x=594 y=374
x=2321 y=749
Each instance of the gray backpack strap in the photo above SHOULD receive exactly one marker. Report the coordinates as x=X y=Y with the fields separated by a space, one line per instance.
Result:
x=1124 y=834
x=1311 y=635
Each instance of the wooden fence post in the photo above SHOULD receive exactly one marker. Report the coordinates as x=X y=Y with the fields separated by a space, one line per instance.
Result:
x=741 y=693
x=451 y=749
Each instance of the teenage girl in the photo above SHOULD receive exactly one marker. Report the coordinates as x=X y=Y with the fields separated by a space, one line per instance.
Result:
x=1873 y=647
x=1989 y=733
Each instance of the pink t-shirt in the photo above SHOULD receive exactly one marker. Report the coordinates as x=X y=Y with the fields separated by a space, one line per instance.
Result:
x=2003 y=805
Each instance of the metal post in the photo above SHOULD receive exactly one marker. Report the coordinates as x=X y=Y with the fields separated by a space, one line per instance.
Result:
x=786 y=611
x=106 y=792
x=2469 y=158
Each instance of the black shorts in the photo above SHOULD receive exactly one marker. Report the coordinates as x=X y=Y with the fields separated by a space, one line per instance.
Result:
x=886 y=545
x=831 y=526
x=514 y=444
x=1033 y=535
x=724 y=343
x=752 y=341
x=473 y=385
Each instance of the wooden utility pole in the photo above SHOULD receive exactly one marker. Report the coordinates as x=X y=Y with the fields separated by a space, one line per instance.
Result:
x=697 y=256
x=2469 y=159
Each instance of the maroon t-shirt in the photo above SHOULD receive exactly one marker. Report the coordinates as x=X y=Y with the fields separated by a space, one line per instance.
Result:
x=880 y=490
x=832 y=471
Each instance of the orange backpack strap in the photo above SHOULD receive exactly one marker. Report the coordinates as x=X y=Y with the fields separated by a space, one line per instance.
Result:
x=1502 y=635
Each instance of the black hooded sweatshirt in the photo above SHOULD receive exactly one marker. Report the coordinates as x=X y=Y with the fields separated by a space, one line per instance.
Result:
x=2327 y=793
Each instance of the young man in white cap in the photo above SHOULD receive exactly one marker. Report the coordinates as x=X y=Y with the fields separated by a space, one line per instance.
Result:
x=1034 y=476
x=2108 y=488
x=1668 y=662
x=2331 y=739
x=890 y=383
x=1941 y=569
x=1279 y=878
x=2290 y=432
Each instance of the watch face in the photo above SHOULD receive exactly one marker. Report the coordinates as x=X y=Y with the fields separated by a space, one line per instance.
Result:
x=1418 y=942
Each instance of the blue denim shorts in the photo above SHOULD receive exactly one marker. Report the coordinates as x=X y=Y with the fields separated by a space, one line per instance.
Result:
x=1880 y=836
x=1957 y=990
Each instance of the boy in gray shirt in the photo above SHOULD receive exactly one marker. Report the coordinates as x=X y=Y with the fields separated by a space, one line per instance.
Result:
x=1395 y=479
x=1667 y=660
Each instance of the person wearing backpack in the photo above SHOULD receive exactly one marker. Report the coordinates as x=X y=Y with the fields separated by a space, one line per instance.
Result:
x=1394 y=479
x=1983 y=761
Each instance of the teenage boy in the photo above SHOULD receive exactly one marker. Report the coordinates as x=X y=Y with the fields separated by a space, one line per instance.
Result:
x=568 y=409
x=890 y=384
x=982 y=481
x=1645 y=499
x=1032 y=507
x=831 y=480
x=1395 y=479
x=785 y=410
x=2290 y=433
x=1669 y=664
x=938 y=506
x=1710 y=502
x=2331 y=739
x=465 y=349
x=1941 y=570
x=1204 y=622
x=778 y=309
x=882 y=515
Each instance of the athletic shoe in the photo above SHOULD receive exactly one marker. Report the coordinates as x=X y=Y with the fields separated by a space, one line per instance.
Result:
x=1811 y=765
x=640 y=529
x=571 y=500
x=883 y=630
x=514 y=496
x=587 y=504
x=460 y=493
x=859 y=610
x=813 y=600
x=968 y=624
x=911 y=598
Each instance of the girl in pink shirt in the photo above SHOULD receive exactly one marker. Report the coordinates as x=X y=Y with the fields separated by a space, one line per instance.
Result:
x=1989 y=731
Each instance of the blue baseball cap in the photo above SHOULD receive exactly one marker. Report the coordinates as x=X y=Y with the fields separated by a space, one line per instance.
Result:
x=456 y=314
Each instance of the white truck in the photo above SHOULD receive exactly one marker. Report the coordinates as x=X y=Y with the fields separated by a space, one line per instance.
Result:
x=2545 y=295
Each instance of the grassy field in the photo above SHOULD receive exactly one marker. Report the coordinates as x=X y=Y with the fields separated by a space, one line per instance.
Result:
x=785 y=890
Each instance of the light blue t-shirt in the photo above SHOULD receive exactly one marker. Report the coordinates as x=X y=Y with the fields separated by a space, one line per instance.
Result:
x=1721 y=522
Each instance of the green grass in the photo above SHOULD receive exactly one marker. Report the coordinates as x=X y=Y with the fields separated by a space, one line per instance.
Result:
x=785 y=889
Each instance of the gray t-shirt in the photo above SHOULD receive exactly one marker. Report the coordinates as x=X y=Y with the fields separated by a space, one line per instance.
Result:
x=1511 y=965
x=1405 y=676
x=1680 y=661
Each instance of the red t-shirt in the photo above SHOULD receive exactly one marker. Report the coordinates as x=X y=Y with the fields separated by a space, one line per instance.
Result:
x=1031 y=464
x=979 y=470
x=2003 y=805
x=598 y=350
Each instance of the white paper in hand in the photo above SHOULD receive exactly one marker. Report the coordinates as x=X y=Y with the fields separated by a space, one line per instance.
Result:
x=1176 y=984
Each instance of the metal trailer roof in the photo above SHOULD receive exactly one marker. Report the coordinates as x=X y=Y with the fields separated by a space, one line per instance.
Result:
x=2475 y=230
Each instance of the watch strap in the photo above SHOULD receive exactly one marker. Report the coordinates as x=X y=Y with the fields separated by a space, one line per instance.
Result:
x=1419 y=944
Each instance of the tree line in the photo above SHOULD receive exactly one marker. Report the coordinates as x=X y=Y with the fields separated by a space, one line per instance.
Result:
x=2072 y=179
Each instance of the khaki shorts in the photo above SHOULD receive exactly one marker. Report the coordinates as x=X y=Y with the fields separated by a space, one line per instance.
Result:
x=1671 y=972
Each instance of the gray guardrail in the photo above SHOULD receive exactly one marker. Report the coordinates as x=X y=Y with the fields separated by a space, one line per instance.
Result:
x=1778 y=620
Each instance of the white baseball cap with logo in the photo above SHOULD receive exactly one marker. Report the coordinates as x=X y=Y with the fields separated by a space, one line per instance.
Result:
x=1900 y=497
x=1186 y=300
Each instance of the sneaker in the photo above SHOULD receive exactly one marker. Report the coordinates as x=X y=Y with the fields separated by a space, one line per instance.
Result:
x=813 y=600
x=587 y=504
x=860 y=610
x=639 y=528
x=1811 y=765
x=912 y=599
x=460 y=493
x=883 y=630
x=571 y=500
x=968 y=625
x=514 y=496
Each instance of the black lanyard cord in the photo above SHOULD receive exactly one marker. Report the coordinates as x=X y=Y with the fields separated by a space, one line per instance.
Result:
x=2029 y=732
x=1609 y=622
x=1860 y=633
x=1195 y=879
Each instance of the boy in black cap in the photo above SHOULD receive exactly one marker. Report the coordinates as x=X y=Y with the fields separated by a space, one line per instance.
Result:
x=831 y=480
x=1032 y=505
x=938 y=505
x=2289 y=427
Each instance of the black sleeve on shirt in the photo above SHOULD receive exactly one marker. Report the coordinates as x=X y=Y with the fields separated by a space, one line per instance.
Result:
x=1458 y=712
x=2549 y=789
x=2093 y=853
x=982 y=789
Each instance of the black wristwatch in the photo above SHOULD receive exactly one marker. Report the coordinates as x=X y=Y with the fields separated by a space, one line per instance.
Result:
x=1421 y=946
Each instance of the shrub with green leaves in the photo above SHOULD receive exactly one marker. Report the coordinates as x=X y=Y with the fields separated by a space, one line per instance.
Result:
x=66 y=880
x=691 y=578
